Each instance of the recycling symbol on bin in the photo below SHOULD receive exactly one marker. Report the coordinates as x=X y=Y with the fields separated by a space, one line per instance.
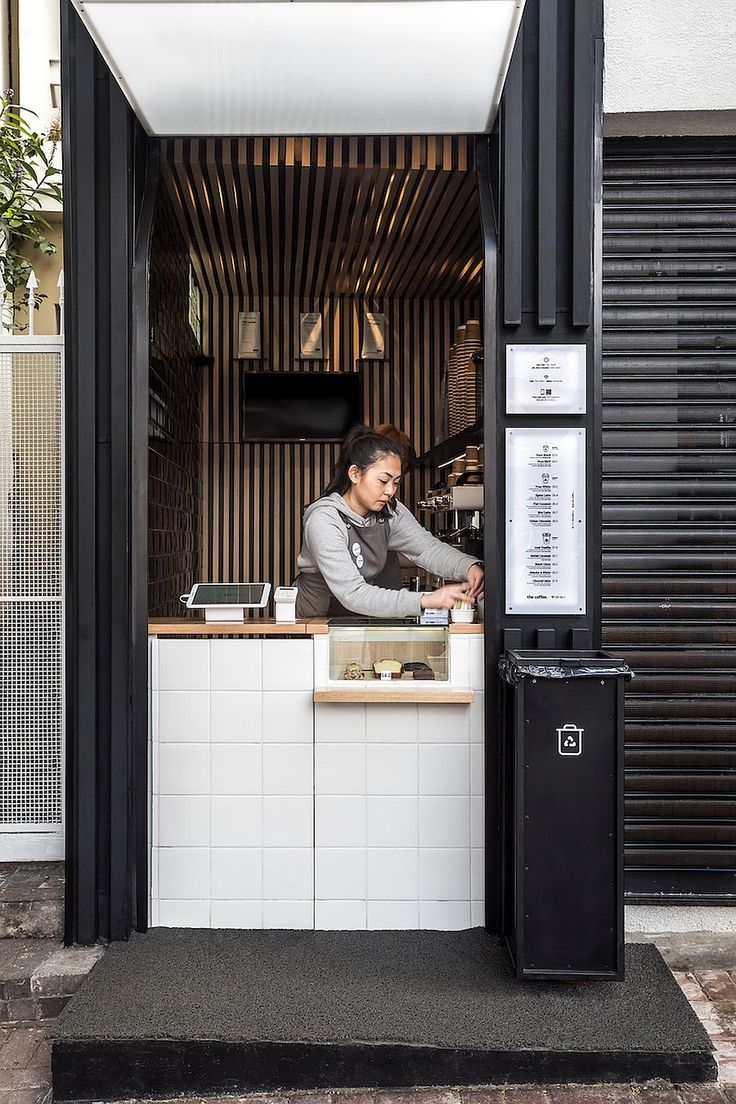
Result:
x=570 y=739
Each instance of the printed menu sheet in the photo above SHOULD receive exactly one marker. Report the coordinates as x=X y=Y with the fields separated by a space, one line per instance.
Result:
x=374 y=336
x=545 y=379
x=310 y=336
x=249 y=335
x=545 y=521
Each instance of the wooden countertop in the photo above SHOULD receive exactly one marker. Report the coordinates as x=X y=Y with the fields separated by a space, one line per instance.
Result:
x=259 y=626
x=253 y=626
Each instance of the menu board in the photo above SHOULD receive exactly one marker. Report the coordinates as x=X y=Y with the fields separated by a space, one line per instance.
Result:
x=545 y=521
x=545 y=379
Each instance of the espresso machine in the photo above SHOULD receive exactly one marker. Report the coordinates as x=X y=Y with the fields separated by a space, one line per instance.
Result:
x=457 y=501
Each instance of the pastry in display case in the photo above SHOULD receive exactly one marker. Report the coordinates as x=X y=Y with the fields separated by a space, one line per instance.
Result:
x=388 y=669
x=389 y=652
x=353 y=671
x=420 y=671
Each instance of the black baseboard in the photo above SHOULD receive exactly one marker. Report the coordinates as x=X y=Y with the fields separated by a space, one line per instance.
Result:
x=103 y=1069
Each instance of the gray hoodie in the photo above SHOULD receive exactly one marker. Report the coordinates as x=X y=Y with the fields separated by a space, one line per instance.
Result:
x=325 y=549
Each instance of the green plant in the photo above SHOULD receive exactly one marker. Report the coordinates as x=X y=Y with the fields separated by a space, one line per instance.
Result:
x=27 y=177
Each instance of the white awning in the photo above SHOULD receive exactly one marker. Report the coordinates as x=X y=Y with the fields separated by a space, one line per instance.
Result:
x=223 y=67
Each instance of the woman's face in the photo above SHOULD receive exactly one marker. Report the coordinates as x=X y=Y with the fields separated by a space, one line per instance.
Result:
x=373 y=488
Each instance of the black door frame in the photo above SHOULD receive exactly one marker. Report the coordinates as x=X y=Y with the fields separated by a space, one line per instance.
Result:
x=541 y=207
x=540 y=180
x=109 y=167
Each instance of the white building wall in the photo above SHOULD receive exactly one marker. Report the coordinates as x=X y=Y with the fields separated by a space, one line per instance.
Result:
x=670 y=67
x=38 y=47
x=38 y=60
x=4 y=50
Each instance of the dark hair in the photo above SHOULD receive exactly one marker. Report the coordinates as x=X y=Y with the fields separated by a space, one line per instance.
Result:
x=409 y=459
x=362 y=447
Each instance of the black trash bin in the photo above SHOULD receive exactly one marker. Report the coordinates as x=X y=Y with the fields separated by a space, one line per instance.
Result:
x=562 y=813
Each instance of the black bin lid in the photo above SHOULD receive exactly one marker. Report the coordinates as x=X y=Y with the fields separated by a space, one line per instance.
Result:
x=545 y=663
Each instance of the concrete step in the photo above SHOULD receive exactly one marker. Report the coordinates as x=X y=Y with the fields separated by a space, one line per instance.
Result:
x=216 y=1011
x=692 y=950
x=38 y=976
x=31 y=900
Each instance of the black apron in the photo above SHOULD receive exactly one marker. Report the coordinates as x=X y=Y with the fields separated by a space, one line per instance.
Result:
x=368 y=548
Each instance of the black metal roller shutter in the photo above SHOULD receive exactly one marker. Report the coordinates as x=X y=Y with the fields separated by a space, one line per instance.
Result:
x=669 y=504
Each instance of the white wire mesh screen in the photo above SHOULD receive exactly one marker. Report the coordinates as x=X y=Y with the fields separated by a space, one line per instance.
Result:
x=30 y=589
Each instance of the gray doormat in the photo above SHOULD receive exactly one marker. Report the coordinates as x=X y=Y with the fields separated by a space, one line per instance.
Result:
x=195 y=1011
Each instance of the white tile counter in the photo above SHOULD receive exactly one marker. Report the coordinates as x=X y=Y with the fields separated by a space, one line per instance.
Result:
x=232 y=783
x=271 y=810
x=397 y=789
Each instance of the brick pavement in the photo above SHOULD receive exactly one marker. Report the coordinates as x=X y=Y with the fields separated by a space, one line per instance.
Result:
x=712 y=996
x=38 y=976
x=31 y=900
x=25 y=1066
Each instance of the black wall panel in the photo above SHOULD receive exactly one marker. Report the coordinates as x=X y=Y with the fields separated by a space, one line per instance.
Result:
x=106 y=214
x=545 y=153
x=174 y=422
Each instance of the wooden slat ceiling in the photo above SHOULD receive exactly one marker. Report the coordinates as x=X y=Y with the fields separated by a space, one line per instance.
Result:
x=302 y=217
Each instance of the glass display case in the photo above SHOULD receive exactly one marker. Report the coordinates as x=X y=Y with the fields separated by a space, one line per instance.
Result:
x=388 y=653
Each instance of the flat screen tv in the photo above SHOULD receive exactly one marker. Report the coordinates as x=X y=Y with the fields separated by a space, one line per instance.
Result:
x=300 y=406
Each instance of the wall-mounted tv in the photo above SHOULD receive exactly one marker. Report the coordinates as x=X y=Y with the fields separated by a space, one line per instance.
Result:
x=300 y=406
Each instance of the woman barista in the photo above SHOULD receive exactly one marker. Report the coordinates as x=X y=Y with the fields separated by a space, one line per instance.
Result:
x=350 y=530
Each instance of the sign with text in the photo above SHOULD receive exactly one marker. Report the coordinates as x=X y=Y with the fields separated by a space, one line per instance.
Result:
x=310 y=336
x=374 y=336
x=545 y=379
x=249 y=335
x=545 y=521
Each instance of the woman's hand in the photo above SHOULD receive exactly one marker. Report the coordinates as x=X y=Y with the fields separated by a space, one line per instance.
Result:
x=445 y=597
x=476 y=577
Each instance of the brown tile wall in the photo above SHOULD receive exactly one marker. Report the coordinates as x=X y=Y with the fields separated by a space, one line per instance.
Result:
x=174 y=418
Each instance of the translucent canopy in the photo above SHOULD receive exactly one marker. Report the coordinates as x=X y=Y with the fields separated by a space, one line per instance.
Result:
x=230 y=67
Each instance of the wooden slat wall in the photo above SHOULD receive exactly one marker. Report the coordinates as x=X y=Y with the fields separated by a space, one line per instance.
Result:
x=254 y=494
x=375 y=217
x=337 y=225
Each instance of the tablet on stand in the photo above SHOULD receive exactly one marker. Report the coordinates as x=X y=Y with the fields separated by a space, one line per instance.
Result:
x=226 y=601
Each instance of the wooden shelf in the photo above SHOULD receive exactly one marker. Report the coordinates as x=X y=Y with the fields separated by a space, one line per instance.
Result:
x=382 y=695
x=453 y=446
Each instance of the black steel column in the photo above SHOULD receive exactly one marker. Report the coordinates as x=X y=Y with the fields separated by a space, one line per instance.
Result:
x=106 y=729
x=546 y=176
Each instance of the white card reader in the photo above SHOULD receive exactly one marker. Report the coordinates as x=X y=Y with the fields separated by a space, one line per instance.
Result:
x=284 y=604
